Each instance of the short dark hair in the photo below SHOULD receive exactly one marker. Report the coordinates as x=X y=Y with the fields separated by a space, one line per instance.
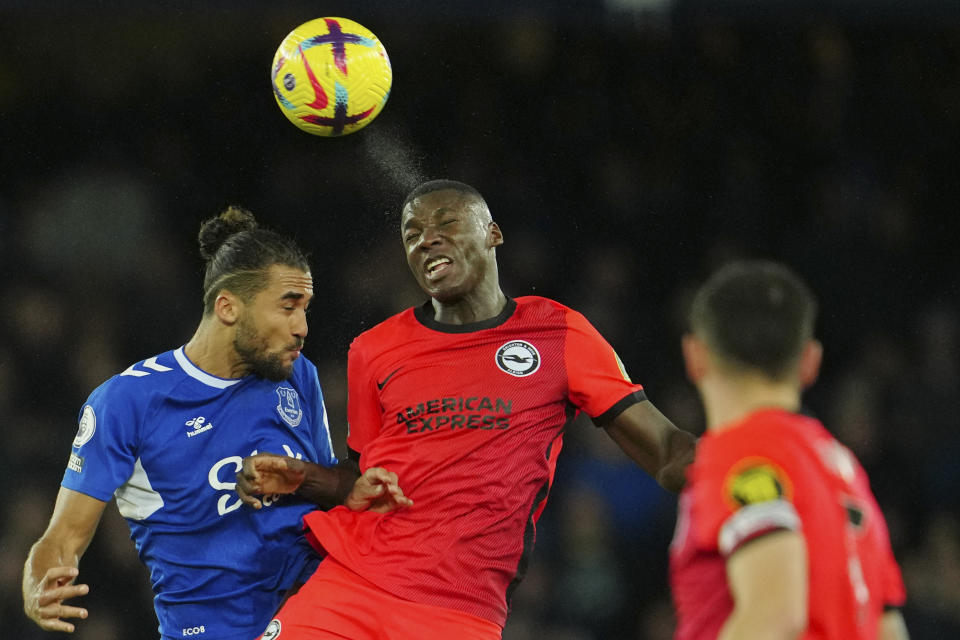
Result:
x=755 y=315
x=239 y=252
x=441 y=185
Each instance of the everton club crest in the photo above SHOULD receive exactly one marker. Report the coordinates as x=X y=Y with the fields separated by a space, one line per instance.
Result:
x=289 y=406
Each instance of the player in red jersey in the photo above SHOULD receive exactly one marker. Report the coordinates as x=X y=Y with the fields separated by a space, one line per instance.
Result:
x=465 y=398
x=778 y=534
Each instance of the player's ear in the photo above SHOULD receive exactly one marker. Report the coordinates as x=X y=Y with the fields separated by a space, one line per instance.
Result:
x=810 y=359
x=494 y=235
x=695 y=357
x=227 y=307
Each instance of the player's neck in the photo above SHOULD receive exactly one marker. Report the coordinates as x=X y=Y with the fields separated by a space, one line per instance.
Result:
x=481 y=304
x=728 y=400
x=211 y=350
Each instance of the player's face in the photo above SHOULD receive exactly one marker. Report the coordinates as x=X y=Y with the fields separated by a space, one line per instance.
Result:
x=449 y=239
x=271 y=329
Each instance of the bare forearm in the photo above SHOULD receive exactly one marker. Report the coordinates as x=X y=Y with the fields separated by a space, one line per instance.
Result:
x=44 y=556
x=328 y=486
x=654 y=443
x=679 y=447
x=52 y=564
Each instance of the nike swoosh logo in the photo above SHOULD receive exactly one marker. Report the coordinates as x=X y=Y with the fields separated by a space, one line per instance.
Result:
x=380 y=385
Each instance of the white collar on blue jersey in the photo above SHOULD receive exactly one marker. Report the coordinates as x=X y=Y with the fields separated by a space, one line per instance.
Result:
x=197 y=374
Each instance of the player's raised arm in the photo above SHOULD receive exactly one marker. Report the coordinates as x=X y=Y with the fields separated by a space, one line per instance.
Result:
x=265 y=473
x=654 y=443
x=52 y=564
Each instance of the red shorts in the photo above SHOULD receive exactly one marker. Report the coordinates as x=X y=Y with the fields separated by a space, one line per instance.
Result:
x=338 y=604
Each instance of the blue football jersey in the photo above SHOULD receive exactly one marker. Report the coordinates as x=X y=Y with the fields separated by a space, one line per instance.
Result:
x=167 y=439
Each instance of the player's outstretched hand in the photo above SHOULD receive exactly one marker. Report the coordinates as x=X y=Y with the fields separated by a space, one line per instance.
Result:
x=377 y=490
x=44 y=604
x=267 y=473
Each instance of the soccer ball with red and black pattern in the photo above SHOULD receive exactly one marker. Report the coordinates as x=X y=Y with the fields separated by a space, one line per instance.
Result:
x=331 y=76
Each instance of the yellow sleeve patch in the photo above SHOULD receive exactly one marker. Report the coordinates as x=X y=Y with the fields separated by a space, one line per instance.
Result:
x=623 y=369
x=756 y=480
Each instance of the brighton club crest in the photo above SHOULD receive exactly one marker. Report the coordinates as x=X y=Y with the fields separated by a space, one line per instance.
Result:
x=518 y=358
x=289 y=406
x=273 y=630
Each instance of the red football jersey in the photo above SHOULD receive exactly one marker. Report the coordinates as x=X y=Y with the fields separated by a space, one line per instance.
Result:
x=779 y=470
x=470 y=417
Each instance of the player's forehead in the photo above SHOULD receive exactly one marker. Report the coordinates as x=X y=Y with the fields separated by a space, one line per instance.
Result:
x=284 y=280
x=436 y=204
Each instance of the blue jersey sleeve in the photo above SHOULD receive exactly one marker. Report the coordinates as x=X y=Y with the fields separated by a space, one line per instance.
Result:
x=104 y=451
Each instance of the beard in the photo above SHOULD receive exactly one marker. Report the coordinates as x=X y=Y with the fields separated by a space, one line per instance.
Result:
x=252 y=350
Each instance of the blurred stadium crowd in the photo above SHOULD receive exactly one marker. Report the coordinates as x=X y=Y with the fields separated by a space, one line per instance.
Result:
x=625 y=149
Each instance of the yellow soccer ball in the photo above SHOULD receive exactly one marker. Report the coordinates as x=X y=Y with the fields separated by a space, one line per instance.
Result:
x=331 y=76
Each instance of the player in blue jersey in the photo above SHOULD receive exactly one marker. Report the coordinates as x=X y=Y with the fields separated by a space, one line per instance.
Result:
x=166 y=437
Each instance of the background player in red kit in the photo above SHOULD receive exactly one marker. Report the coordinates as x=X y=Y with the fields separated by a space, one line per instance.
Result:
x=778 y=534
x=465 y=398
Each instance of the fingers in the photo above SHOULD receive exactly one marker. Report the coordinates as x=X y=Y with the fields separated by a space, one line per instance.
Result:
x=56 y=624
x=392 y=503
x=266 y=462
x=59 y=576
x=253 y=467
x=267 y=473
x=48 y=608
x=50 y=617
x=250 y=478
x=244 y=490
x=377 y=490
x=379 y=475
x=395 y=494
x=401 y=500
x=391 y=485
x=59 y=594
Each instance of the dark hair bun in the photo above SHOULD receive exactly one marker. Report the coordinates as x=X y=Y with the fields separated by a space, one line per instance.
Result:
x=215 y=231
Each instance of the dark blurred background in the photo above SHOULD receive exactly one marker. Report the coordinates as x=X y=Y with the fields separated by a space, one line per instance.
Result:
x=626 y=147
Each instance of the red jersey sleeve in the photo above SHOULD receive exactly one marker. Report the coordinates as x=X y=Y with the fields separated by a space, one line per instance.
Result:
x=363 y=403
x=894 y=591
x=895 y=594
x=741 y=493
x=598 y=382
